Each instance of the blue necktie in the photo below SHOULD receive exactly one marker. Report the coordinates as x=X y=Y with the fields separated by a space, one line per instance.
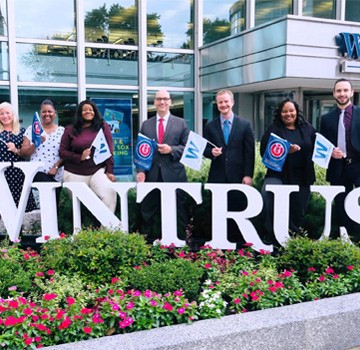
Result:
x=226 y=131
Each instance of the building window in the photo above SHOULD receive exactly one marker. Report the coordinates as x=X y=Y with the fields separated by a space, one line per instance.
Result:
x=170 y=23
x=238 y=17
x=111 y=21
x=267 y=10
x=216 y=20
x=319 y=8
x=352 y=11
x=52 y=20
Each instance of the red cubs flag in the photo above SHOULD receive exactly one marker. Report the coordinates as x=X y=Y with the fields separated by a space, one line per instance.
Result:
x=276 y=152
x=37 y=130
x=144 y=152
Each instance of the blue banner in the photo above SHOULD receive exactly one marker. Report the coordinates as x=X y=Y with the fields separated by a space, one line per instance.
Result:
x=117 y=113
x=144 y=152
x=36 y=130
x=276 y=152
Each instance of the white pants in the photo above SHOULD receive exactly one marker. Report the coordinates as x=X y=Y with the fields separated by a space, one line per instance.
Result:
x=99 y=183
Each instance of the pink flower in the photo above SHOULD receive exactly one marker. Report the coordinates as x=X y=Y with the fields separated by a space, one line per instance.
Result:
x=130 y=305
x=39 y=274
x=287 y=273
x=70 y=301
x=181 y=310
x=46 y=237
x=167 y=306
x=322 y=278
x=87 y=330
x=28 y=341
x=351 y=267
x=178 y=293
x=207 y=266
x=114 y=280
x=153 y=303
x=50 y=296
x=272 y=289
x=329 y=271
x=50 y=272
x=97 y=319
x=237 y=300
x=336 y=276
x=311 y=269
x=28 y=311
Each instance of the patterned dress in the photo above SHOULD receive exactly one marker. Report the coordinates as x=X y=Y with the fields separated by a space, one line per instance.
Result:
x=14 y=176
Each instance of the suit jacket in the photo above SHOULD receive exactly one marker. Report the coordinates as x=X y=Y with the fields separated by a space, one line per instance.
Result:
x=176 y=135
x=329 y=129
x=238 y=156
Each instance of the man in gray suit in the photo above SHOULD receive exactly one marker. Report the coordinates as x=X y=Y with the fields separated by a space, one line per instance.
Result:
x=171 y=134
x=344 y=166
x=232 y=161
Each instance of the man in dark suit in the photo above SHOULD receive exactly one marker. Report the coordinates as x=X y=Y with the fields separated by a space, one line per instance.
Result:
x=171 y=134
x=233 y=158
x=344 y=166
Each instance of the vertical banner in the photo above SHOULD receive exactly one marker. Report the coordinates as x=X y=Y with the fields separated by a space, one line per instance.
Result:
x=117 y=113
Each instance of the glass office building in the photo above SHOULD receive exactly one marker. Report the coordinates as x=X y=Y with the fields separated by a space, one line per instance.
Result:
x=262 y=50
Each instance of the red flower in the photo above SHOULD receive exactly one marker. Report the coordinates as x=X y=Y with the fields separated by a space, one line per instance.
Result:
x=70 y=301
x=50 y=272
x=329 y=271
x=237 y=300
x=28 y=341
x=350 y=267
x=28 y=311
x=49 y=296
x=87 y=330
x=167 y=306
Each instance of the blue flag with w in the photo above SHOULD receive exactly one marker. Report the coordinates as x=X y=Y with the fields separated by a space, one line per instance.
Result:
x=144 y=152
x=276 y=152
x=37 y=130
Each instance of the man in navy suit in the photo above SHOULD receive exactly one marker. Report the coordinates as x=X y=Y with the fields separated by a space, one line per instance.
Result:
x=233 y=158
x=166 y=166
x=344 y=166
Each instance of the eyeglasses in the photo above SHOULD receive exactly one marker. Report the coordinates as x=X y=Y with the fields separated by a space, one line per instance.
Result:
x=165 y=99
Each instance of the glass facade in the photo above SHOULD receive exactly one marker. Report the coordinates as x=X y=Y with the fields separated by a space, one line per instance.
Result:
x=267 y=10
x=69 y=50
x=320 y=8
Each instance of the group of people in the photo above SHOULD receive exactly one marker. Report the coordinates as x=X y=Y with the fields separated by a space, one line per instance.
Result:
x=231 y=149
x=67 y=154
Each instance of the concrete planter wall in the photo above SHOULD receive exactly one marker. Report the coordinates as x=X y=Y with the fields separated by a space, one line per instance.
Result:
x=328 y=324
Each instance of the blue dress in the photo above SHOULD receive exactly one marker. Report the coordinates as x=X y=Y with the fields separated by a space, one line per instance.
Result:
x=14 y=176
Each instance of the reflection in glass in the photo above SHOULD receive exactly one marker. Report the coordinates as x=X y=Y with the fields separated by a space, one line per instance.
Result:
x=352 y=11
x=3 y=18
x=49 y=63
x=166 y=69
x=238 y=16
x=182 y=105
x=30 y=99
x=216 y=22
x=267 y=10
x=46 y=20
x=111 y=66
x=320 y=8
x=170 y=23
x=111 y=21
x=4 y=61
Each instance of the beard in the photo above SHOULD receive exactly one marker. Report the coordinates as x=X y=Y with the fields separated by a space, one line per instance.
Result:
x=343 y=103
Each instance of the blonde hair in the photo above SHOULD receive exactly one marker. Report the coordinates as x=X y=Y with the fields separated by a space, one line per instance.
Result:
x=16 y=121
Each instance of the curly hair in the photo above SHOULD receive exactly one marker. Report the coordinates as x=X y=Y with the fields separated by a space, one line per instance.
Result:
x=78 y=123
x=299 y=114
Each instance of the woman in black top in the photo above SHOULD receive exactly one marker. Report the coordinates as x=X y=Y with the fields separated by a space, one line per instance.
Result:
x=298 y=169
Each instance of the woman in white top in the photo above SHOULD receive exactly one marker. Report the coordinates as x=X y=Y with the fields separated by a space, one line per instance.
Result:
x=48 y=151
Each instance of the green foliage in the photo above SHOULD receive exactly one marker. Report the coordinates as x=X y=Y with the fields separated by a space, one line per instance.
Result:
x=302 y=253
x=169 y=276
x=97 y=256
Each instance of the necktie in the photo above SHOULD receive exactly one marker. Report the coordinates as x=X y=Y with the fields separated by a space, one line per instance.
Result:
x=226 y=131
x=161 y=130
x=341 y=141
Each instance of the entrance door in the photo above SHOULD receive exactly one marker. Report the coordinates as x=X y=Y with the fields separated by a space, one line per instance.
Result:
x=315 y=107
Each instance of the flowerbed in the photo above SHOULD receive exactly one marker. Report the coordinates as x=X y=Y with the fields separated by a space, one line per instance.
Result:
x=103 y=283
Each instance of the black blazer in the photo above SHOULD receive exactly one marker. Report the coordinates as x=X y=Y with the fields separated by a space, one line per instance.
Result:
x=238 y=156
x=307 y=132
x=176 y=135
x=329 y=129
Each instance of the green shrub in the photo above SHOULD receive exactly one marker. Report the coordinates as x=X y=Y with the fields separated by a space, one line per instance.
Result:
x=96 y=256
x=303 y=253
x=13 y=275
x=169 y=276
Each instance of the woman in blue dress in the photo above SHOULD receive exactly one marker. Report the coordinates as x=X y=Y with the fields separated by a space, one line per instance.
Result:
x=11 y=139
